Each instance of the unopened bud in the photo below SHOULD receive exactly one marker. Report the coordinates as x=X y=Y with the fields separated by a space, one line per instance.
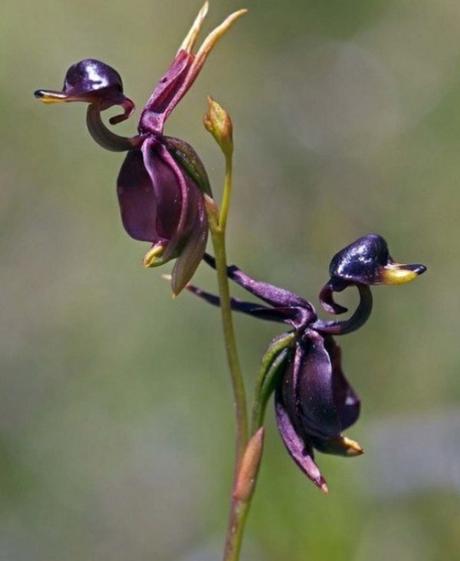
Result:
x=249 y=467
x=218 y=122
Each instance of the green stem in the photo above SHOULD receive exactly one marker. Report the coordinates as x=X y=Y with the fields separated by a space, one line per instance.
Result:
x=238 y=515
x=271 y=363
x=239 y=392
x=238 y=509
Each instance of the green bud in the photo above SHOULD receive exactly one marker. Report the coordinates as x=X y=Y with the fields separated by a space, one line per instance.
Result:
x=249 y=467
x=218 y=122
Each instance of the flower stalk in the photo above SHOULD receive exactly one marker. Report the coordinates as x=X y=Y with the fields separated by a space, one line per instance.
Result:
x=248 y=454
x=239 y=391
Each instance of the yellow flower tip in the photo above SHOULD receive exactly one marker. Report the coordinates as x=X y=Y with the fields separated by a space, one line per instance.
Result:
x=49 y=97
x=353 y=448
x=192 y=36
x=153 y=257
x=213 y=38
x=395 y=274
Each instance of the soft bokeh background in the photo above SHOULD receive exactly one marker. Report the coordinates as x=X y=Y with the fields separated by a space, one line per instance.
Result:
x=116 y=429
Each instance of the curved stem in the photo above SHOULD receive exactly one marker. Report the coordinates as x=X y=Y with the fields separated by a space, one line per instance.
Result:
x=104 y=136
x=357 y=320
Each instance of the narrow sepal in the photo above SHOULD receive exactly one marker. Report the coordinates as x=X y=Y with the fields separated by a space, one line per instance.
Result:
x=299 y=449
x=182 y=73
x=191 y=255
x=273 y=295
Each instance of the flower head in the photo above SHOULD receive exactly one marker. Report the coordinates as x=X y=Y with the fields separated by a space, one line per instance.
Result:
x=162 y=182
x=314 y=402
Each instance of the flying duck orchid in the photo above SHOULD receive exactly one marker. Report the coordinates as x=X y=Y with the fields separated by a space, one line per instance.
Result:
x=162 y=182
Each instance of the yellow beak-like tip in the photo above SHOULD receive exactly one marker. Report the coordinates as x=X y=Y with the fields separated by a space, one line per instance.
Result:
x=352 y=447
x=396 y=274
x=50 y=97
x=153 y=257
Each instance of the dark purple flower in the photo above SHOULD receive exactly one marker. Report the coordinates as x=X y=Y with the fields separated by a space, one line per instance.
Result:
x=314 y=402
x=162 y=182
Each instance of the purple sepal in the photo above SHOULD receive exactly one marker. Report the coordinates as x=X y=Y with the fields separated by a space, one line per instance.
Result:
x=299 y=449
x=171 y=193
x=166 y=95
x=192 y=253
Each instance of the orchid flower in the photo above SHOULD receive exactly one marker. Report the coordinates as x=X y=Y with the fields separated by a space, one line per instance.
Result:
x=162 y=182
x=314 y=402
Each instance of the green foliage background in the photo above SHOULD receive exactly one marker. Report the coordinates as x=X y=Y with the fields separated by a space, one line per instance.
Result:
x=116 y=429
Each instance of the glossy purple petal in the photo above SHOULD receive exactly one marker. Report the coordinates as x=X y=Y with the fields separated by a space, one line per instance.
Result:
x=171 y=193
x=178 y=197
x=299 y=448
x=151 y=195
x=314 y=388
x=138 y=203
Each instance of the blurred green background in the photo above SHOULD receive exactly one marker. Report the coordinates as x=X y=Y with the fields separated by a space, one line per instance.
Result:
x=116 y=428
